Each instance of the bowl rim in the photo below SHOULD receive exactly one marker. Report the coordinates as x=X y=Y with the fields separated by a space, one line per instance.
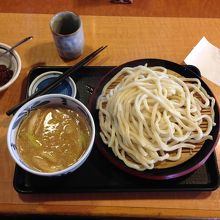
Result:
x=16 y=74
x=36 y=81
x=71 y=168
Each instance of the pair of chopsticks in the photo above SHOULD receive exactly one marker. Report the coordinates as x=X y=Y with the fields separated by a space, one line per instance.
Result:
x=58 y=81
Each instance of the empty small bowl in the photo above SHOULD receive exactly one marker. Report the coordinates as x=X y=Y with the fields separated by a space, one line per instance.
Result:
x=49 y=100
x=67 y=87
x=12 y=62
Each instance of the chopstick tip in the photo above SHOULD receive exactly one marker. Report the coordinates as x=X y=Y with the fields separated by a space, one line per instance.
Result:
x=103 y=47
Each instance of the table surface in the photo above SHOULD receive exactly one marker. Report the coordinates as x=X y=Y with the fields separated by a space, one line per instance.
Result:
x=128 y=38
x=146 y=8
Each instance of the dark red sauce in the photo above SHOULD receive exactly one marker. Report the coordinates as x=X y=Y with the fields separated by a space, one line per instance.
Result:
x=5 y=75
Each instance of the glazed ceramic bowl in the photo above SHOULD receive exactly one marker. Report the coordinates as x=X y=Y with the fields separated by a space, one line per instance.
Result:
x=12 y=62
x=59 y=100
x=68 y=86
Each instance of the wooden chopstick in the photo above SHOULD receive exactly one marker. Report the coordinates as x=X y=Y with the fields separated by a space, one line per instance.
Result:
x=58 y=81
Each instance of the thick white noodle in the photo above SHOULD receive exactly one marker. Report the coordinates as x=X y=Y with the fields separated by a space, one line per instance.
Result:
x=151 y=114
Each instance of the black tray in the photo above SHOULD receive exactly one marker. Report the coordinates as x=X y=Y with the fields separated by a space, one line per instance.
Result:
x=99 y=175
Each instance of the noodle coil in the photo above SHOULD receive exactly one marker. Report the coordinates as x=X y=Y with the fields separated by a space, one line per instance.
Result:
x=148 y=115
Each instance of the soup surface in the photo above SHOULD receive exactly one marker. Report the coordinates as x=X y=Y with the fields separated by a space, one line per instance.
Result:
x=53 y=138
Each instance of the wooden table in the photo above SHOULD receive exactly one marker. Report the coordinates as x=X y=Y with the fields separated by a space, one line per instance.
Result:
x=148 y=8
x=128 y=38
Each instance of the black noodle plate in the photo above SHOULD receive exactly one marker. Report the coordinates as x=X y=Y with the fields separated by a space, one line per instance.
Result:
x=166 y=173
x=97 y=174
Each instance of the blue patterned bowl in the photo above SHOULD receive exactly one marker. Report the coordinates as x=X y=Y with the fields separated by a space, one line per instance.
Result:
x=47 y=100
x=67 y=87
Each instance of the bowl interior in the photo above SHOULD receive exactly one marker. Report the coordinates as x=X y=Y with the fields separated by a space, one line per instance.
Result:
x=48 y=100
x=11 y=61
x=68 y=86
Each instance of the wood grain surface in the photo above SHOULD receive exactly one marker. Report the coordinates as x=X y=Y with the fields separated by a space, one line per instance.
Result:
x=128 y=38
x=147 y=8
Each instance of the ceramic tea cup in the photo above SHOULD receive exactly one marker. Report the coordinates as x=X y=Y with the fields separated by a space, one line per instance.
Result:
x=67 y=31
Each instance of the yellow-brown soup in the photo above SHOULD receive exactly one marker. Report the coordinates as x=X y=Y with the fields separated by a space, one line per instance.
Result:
x=52 y=138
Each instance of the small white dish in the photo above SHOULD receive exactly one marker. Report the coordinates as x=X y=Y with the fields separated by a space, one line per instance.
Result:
x=68 y=86
x=12 y=61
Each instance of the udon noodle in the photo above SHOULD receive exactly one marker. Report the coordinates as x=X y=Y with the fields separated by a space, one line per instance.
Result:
x=148 y=115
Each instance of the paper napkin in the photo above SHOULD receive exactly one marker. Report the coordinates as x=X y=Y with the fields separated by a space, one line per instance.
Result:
x=206 y=57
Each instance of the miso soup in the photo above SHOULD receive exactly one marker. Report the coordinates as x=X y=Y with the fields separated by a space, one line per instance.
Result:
x=53 y=138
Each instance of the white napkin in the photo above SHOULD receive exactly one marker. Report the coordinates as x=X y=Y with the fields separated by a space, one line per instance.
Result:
x=206 y=57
